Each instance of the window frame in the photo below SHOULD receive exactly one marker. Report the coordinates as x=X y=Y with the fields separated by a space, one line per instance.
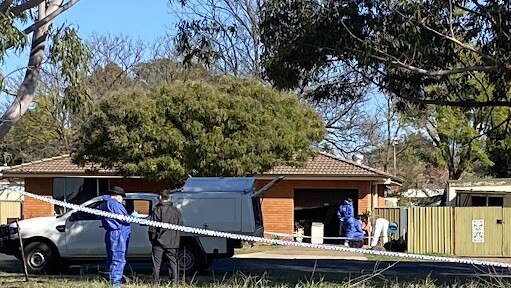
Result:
x=486 y=200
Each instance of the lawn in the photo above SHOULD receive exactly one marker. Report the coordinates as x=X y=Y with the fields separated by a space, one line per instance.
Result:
x=254 y=249
x=240 y=280
x=373 y=257
x=237 y=281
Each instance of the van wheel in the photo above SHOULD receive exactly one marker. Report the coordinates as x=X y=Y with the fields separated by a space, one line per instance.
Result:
x=40 y=258
x=207 y=263
x=189 y=259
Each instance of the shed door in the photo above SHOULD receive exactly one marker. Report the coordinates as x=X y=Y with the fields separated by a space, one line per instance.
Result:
x=478 y=231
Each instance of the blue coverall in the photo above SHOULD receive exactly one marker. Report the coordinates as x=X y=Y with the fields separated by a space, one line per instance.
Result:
x=117 y=237
x=353 y=229
x=346 y=211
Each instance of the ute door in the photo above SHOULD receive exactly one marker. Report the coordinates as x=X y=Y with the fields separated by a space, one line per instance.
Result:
x=139 y=246
x=85 y=237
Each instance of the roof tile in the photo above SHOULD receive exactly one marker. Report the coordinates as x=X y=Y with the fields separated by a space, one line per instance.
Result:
x=327 y=164
x=322 y=164
x=55 y=165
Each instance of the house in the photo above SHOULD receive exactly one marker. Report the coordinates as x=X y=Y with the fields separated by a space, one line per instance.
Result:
x=423 y=197
x=491 y=192
x=309 y=193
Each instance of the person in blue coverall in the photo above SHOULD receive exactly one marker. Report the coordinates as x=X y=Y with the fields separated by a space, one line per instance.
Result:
x=354 y=232
x=117 y=235
x=350 y=225
x=346 y=211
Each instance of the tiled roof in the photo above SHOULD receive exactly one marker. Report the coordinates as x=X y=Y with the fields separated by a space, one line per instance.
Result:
x=322 y=164
x=328 y=165
x=55 y=165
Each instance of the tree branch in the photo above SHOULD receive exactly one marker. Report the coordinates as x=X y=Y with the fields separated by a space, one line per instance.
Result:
x=49 y=18
x=441 y=102
x=459 y=43
x=4 y=7
x=445 y=72
x=17 y=10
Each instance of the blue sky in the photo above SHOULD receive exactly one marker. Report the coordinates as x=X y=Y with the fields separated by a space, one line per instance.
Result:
x=146 y=20
x=140 y=19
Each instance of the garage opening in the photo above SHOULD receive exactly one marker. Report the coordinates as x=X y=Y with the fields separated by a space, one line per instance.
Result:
x=321 y=205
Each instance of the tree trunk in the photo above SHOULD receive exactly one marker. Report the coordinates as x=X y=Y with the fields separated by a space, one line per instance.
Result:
x=27 y=90
x=454 y=173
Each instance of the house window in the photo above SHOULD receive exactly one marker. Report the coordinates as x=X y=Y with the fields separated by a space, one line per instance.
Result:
x=143 y=207
x=487 y=201
x=77 y=190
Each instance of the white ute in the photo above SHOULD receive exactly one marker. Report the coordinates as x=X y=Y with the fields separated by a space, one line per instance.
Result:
x=228 y=204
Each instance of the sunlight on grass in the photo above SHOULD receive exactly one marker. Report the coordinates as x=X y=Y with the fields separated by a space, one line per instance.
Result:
x=254 y=249
x=239 y=280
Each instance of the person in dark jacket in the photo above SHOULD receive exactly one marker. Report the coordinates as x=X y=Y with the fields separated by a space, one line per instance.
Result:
x=116 y=236
x=165 y=242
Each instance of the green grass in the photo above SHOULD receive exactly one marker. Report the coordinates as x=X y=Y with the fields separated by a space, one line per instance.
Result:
x=372 y=257
x=237 y=281
x=254 y=249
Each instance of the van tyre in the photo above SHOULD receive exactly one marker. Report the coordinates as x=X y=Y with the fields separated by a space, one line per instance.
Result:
x=189 y=259
x=40 y=258
x=208 y=261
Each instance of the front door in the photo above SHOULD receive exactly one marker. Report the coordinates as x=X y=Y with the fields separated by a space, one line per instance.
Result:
x=85 y=237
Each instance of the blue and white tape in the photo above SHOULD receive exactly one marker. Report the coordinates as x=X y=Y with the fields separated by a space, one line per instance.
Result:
x=220 y=234
x=297 y=235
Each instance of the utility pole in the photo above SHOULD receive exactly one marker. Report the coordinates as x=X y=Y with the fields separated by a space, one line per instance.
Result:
x=394 y=143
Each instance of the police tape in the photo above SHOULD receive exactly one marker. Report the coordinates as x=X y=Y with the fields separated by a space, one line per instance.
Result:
x=297 y=235
x=249 y=238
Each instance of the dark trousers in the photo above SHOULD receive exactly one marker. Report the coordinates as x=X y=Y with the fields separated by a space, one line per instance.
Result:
x=171 y=256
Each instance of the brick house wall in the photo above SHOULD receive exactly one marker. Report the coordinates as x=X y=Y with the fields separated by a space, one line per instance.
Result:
x=278 y=203
x=44 y=186
x=35 y=208
x=381 y=196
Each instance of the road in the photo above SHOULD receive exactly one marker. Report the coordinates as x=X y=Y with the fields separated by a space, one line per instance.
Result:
x=330 y=270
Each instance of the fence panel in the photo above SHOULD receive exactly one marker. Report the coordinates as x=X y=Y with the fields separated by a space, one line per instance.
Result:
x=9 y=210
x=394 y=215
x=430 y=230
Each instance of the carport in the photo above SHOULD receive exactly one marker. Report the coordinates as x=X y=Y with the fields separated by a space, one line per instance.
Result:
x=321 y=205
x=313 y=193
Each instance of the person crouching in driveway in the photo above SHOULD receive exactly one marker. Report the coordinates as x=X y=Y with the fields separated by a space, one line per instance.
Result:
x=165 y=242
x=117 y=235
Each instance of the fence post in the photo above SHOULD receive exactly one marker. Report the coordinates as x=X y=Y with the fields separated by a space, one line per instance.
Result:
x=22 y=251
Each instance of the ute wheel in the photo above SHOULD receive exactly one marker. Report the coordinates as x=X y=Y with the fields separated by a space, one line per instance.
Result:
x=189 y=259
x=40 y=258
